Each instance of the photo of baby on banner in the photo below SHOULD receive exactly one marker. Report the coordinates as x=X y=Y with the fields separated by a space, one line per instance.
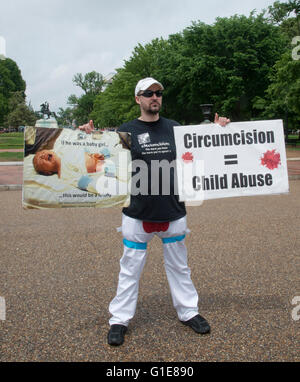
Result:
x=69 y=168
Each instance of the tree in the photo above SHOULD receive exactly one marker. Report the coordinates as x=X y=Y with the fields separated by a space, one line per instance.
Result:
x=281 y=11
x=81 y=106
x=226 y=64
x=286 y=15
x=19 y=114
x=92 y=84
x=10 y=81
x=282 y=97
x=13 y=108
x=3 y=108
x=116 y=103
x=65 y=117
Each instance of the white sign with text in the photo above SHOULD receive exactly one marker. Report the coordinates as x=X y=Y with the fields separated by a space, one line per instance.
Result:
x=240 y=159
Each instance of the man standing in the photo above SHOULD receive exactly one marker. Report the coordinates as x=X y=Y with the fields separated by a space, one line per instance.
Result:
x=151 y=140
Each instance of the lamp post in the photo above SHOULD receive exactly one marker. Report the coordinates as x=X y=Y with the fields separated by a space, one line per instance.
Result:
x=286 y=125
x=207 y=111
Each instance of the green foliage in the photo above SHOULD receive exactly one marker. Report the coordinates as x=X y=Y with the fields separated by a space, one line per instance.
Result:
x=287 y=16
x=10 y=77
x=13 y=109
x=283 y=94
x=65 y=117
x=90 y=83
x=3 y=107
x=19 y=113
x=11 y=140
x=81 y=107
x=11 y=81
x=240 y=64
x=279 y=12
x=226 y=64
x=117 y=102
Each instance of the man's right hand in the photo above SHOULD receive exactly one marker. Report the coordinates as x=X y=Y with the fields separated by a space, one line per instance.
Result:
x=88 y=127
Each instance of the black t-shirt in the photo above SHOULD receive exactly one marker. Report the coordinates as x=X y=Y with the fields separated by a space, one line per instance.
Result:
x=156 y=200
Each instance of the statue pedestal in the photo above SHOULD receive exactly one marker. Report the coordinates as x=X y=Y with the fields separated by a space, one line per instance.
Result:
x=49 y=123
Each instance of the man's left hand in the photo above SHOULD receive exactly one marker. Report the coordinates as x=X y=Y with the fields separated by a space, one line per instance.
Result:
x=222 y=121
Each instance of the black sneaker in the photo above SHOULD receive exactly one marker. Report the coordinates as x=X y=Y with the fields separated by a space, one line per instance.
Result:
x=116 y=334
x=198 y=324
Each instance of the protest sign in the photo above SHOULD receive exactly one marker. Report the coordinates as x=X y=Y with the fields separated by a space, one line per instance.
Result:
x=69 y=168
x=93 y=170
x=241 y=159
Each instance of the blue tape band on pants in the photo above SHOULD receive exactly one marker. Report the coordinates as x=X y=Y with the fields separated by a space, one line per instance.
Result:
x=167 y=240
x=133 y=244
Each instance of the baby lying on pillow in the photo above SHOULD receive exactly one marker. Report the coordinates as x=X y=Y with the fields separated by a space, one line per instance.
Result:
x=47 y=162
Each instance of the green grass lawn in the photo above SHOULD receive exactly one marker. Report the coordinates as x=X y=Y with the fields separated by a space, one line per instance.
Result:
x=293 y=142
x=11 y=141
x=15 y=134
x=11 y=157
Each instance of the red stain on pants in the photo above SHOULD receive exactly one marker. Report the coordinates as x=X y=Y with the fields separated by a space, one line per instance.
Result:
x=150 y=227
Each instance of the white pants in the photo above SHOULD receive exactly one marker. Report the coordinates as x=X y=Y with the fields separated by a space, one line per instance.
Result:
x=135 y=239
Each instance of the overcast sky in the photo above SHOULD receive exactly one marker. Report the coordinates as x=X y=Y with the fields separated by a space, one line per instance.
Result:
x=53 y=40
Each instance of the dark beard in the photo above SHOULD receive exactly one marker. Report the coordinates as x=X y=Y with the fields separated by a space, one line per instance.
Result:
x=152 y=111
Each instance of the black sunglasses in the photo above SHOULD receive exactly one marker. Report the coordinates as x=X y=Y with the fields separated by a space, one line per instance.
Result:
x=149 y=93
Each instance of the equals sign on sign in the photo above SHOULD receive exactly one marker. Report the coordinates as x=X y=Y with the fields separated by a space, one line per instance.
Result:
x=230 y=159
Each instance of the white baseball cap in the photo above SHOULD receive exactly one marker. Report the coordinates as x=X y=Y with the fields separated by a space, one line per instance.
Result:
x=145 y=83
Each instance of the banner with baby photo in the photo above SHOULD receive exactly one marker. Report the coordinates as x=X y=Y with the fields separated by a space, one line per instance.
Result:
x=69 y=168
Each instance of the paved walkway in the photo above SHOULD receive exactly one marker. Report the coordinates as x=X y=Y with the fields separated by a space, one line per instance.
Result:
x=294 y=169
x=11 y=174
x=59 y=270
x=11 y=150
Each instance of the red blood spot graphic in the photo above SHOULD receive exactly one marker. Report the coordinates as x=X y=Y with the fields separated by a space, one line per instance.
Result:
x=271 y=159
x=187 y=157
x=150 y=227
